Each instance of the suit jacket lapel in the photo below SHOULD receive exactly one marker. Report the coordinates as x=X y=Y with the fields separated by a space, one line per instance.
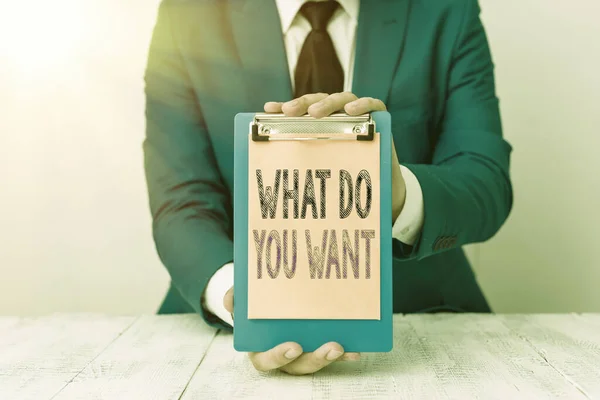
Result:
x=259 y=41
x=379 y=43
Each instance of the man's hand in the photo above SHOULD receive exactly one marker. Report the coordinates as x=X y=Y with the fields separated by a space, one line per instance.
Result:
x=288 y=357
x=321 y=105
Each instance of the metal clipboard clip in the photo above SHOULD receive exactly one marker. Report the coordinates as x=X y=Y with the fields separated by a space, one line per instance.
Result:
x=267 y=127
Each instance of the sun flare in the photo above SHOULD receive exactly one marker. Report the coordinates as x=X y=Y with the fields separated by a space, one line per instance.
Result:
x=39 y=35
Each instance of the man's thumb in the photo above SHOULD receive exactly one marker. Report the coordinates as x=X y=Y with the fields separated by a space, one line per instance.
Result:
x=228 y=300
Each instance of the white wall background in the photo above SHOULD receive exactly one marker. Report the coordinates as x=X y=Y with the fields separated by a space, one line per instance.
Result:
x=74 y=225
x=75 y=230
x=547 y=257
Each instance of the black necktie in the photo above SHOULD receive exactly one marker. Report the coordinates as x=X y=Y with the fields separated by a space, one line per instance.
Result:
x=318 y=68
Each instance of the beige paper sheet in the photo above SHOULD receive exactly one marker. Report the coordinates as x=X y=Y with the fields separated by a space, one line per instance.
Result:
x=303 y=297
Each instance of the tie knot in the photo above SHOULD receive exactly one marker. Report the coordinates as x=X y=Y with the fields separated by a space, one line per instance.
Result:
x=318 y=13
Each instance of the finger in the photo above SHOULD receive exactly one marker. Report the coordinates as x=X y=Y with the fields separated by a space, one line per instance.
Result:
x=350 y=357
x=394 y=155
x=309 y=363
x=364 y=105
x=228 y=300
x=273 y=107
x=331 y=104
x=277 y=357
x=299 y=106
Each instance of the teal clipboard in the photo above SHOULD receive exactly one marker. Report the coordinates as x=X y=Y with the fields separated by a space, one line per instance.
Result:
x=254 y=335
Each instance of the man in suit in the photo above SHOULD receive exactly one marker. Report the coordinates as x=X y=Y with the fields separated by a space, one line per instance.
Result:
x=426 y=61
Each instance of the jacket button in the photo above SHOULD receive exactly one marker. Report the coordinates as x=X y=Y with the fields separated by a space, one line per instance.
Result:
x=449 y=242
x=438 y=244
x=446 y=243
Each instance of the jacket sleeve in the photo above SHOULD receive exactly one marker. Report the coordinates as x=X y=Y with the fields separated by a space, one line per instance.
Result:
x=467 y=191
x=190 y=205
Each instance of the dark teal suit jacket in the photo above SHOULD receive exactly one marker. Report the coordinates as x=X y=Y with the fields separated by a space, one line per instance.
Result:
x=428 y=60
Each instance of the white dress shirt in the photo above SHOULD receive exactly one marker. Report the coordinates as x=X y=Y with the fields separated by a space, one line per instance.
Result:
x=342 y=29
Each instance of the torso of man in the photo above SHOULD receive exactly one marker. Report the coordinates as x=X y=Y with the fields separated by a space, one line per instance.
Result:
x=427 y=60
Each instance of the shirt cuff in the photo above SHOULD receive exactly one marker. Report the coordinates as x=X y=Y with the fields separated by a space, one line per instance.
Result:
x=409 y=223
x=218 y=285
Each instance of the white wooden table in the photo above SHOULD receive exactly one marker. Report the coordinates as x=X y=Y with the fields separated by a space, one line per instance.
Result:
x=179 y=357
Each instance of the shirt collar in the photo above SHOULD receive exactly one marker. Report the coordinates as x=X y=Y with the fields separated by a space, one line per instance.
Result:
x=289 y=8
